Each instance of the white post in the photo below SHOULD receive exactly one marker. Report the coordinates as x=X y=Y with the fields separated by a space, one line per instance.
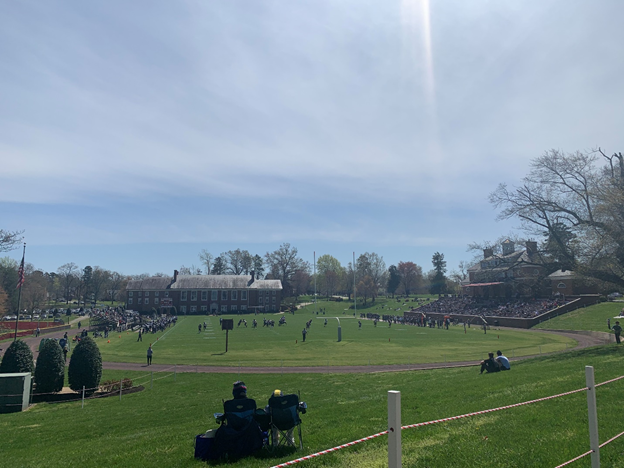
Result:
x=83 y=390
x=592 y=416
x=120 y=388
x=394 y=429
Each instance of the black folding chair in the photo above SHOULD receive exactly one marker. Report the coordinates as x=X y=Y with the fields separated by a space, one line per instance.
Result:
x=239 y=412
x=284 y=413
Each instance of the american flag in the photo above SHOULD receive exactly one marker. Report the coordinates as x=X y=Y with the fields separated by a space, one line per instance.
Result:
x=20 y=274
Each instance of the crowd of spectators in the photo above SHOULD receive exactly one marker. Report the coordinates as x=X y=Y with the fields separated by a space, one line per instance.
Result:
x=492 y=307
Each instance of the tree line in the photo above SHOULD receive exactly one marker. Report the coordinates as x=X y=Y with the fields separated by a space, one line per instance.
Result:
x=367 y=279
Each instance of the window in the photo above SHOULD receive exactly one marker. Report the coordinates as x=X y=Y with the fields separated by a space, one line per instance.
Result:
x=166 y=293
x=244 y=307
x=140 y=301
x=193 y=309
x=140 y=293
x=156 y=293
x=183 y=296
x=193 y=295
x=243 y=295
x=224 y=295
x=204 y=296
x=234 y=295
x=560 y=286
x=183 y=309
x=131 y=293
x=146 y=300
x=266 y=299
x=146 y=293
x=155 y=301
x=214 y=295
x=273 y=300
x=129 y=301
x=204 y=308
x=274 y=292
x=223 y=308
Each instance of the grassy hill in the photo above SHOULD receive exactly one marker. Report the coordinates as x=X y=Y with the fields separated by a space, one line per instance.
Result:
x=156 y=427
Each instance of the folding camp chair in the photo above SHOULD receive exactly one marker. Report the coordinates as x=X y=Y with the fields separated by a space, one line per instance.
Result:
x=284 y=413
x=239 y=412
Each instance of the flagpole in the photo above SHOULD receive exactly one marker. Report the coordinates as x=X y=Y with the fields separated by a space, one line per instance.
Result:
x=20 y=282
x=354 y=288
x=315 y=281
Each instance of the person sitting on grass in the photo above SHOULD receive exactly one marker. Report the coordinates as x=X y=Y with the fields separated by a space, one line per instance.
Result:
x=490 y=364
x=503 y=362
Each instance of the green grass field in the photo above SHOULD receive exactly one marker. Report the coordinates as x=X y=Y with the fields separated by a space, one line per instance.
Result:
x=282 y=345
x=592 y=318
x=156 y=427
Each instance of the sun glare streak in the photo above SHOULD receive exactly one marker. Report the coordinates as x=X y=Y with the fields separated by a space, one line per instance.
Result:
x=418 y=51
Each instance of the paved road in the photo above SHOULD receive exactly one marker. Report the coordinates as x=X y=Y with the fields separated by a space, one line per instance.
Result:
x=583 y=341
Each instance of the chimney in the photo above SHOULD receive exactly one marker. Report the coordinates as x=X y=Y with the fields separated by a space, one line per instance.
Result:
x=487 y=253
x=531 y=247
x=175 y=275
x=250 y=282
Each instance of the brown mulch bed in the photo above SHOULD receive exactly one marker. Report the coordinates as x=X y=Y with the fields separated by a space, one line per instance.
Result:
x=69 y=395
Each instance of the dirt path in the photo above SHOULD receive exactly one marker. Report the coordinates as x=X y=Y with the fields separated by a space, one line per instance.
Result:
x=583 y=339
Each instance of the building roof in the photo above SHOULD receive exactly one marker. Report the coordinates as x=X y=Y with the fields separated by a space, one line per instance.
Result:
x=152 y=283
x=204 y=282
x=560 y=274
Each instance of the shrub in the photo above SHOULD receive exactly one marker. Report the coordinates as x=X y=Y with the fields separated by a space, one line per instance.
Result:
x=113 y=385
x=17 y=358
x=85 y=366
x=50 y=370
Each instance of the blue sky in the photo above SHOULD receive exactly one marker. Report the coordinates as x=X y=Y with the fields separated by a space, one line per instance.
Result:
x=135 y=134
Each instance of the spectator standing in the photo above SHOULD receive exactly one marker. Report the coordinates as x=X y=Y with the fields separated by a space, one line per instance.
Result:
x=150 y=352
x=618 y=331
x=304 y=332
x=609 y=323
x=140 y=338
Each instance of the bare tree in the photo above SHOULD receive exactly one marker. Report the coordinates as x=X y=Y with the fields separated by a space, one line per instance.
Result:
x=9 y=240
x=68 y=274
x=206 y=260
x=411 y=276
x=578 y=205
x=283 y=263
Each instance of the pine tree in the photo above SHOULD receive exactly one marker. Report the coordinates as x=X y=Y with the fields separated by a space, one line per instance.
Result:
x=85 y=367
x=50 y=370
x=18 y=358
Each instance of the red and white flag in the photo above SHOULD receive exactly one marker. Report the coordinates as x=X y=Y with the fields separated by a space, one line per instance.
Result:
x=20 y=274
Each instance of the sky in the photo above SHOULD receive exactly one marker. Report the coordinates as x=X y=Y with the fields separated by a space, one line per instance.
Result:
x=135 y=134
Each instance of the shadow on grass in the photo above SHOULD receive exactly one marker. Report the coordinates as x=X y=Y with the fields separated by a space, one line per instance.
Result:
x=262 y=454
x=218 y=354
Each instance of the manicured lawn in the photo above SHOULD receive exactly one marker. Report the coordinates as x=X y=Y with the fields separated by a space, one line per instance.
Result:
x=282 y=345
x=592 y=318
x=155 y=428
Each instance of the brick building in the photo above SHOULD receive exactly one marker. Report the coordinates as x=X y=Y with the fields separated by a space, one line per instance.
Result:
x=515 y=272
x=202 y=294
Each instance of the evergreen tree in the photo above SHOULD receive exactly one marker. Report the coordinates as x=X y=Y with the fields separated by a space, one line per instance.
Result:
x=85 y=367
x=18 y=358
x=50 y=370
x=438 y=281
x=394 y=280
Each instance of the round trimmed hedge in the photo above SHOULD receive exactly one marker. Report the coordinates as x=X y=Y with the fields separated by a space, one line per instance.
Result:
x=50 y=370
x=85 y=366
x=18 y=358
